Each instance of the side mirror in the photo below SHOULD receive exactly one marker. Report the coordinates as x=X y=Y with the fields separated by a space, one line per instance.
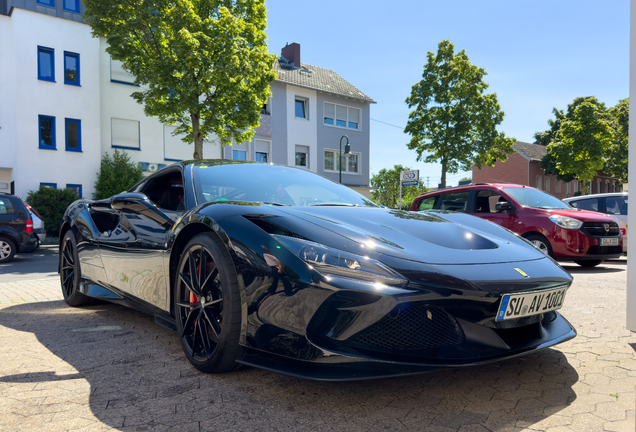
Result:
x=138 y=203
x=502 y=206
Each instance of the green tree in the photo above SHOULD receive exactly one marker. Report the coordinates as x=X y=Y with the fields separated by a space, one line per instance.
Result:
x=583 y=139
x=387 y=188
x=454 y=121
x=116 y=174
x=51 y=204
x=548 y=162
x=204 y=64
x=616 y=163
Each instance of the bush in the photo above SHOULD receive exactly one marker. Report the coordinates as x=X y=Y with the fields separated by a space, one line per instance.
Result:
x=116 y=174
x=51 y=204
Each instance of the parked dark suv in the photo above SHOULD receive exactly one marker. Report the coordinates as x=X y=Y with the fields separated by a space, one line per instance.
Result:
x=16 y=228
x=558 y=230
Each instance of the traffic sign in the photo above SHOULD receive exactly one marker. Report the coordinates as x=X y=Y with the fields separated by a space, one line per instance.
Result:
x=410 y=178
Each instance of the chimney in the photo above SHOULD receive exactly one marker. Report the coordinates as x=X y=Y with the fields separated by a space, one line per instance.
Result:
x=292 y=53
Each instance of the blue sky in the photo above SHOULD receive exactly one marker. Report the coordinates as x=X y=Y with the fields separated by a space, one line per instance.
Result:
x=538 y=55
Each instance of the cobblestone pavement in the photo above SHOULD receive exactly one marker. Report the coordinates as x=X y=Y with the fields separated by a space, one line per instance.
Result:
x=105 y=367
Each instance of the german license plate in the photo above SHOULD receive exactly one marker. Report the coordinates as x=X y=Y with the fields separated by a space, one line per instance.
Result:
x=609 y=241
x=527 y=304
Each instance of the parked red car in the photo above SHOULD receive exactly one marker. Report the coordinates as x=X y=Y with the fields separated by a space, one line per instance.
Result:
x=565 y=233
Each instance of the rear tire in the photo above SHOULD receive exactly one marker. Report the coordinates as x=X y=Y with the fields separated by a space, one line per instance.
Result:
x=7 y=250
x=542 y=243
x=207 y=305
x=588 y=263
x=70 y=272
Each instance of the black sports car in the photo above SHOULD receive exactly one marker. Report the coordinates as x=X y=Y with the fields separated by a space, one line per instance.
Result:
x=281 y=269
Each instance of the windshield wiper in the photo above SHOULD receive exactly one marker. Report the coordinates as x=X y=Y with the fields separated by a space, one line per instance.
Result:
x=334 y=204
x=275 y=204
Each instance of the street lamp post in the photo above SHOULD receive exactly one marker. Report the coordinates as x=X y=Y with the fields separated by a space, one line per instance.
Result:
x=346 y=153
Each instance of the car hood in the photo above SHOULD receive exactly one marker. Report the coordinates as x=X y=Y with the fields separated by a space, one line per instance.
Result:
x=434 y=237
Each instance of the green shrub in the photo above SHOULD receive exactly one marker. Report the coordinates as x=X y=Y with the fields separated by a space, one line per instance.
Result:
x=116 y=174
x=51 y=204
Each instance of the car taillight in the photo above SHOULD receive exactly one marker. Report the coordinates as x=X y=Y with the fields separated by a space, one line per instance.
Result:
x=32 y=210
x=29 y=227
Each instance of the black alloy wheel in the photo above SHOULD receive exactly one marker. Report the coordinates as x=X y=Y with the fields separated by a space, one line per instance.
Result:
x=207 y=305
x=70 y=273
x=7 y=250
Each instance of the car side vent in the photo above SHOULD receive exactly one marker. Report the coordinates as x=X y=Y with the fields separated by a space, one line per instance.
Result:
x=264 y=223
x=408 y=329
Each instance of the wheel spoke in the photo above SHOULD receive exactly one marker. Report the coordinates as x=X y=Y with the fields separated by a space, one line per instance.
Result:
x=216 y=329
x=196 y=340
x=205 y=338
x=188 y=283
x=67 y=279
x=196 y=284
x=187 y=305
x=68 y=268
x=210 y=276
x=203 y=262
x=188 y=326
x=68 y=257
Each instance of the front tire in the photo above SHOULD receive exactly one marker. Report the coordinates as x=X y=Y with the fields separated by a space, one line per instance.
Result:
x=588 y=263
x=207 y=305
x=541 y=243
x=7 y=250
x=70 y=272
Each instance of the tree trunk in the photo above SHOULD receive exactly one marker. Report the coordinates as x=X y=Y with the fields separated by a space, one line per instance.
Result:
x=198 y=138
x=443 y=182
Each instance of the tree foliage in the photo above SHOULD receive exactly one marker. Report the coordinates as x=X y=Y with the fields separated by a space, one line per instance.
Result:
x=51 y=204
x=116 y=174
x=583 y=139
x=454 y=121
x=587 y=125
x=617 y=160
x=203 y=64
x=387 y=188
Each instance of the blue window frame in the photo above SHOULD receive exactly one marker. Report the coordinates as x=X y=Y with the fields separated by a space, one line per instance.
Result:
x=46 y=64
x=71 y=5
x=73 y=129
x=76 y=187
x=49 y=185
x=46 y=2
x=71 y=68
x=46 y=134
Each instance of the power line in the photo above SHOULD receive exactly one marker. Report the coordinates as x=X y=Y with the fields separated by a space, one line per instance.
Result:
x=389 y=124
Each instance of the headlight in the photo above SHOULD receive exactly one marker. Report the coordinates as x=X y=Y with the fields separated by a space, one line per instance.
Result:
x=566 y=222
x=333 y=262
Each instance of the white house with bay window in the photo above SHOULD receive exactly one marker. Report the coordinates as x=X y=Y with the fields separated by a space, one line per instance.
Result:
x=66 y=103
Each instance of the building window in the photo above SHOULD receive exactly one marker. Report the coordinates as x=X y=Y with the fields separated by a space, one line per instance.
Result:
x=341 y=116
x=539 y=182
x=49 y=185
x=598 y=186
x=575 y=186
x=302 y=156
x=606 y=186
x=71 y=68
x=558 y=186
x=547 y=184
x=46 y=64
x=567 y=190
x=125 y=134
x=349 y=164
x=120 y=75
x=46 y=2
x=301 y=108
x=71 y=5
x=239 y=155
x=73 y=135
x=261 y=149
x=613 y=186
x=265 y=109
x=75 y=187
x=47 y=132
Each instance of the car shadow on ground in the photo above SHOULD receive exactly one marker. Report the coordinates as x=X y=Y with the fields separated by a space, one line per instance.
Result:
x=601 y=268
x=139 y=377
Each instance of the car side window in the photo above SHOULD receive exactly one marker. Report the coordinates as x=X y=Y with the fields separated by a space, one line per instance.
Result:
x=6 y=207
x=455 y=201
x=616 y=205
x=426 y=203
x=166 y=191
x=486 y=201
x=586 y=204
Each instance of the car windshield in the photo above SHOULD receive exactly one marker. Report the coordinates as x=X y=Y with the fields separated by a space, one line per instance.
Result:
x=530 y=197
x=271 y=184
